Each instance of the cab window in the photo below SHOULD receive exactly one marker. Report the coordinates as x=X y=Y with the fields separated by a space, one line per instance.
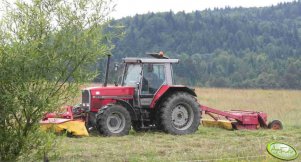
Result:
x=153 y=78
x=132 y=75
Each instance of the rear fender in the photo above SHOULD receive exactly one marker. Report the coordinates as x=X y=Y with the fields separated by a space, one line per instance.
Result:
x=167 y=90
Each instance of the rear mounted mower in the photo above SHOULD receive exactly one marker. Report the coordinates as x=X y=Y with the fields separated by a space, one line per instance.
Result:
x=147 y=98
x=238 y=119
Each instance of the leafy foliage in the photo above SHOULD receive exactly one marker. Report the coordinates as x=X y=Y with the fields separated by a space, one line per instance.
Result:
x=240 y=47
x=46 y=50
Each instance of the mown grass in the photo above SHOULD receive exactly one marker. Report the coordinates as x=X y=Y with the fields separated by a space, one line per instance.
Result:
x=207 y=144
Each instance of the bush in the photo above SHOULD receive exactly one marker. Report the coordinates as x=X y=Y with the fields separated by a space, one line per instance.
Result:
x=46 y=50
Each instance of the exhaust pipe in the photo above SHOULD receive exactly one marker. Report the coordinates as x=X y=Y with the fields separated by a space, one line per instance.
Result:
x=107 y=71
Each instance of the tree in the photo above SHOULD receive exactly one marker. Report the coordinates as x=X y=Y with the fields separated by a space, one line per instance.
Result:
x=47 y=49
x=236 y=44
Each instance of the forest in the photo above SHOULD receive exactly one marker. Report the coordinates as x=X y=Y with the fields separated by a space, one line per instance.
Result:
x=229 y=47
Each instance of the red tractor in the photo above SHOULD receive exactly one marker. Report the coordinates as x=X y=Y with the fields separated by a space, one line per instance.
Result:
x=147 y=98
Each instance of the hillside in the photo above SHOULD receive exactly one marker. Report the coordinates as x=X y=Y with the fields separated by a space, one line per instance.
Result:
x=231 y=47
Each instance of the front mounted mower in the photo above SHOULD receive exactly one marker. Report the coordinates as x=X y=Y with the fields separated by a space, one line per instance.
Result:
x=147 y=98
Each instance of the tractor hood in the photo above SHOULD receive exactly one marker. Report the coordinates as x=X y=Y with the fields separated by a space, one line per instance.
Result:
x=94 y=98
x=111 y=92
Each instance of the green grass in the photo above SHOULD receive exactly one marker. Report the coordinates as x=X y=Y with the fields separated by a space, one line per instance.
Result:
x=207 y=144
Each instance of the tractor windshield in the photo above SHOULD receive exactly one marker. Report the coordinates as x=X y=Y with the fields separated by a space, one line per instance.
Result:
x=132 y=75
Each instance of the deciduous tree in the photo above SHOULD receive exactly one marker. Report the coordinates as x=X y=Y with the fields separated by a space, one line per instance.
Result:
x=46 y=50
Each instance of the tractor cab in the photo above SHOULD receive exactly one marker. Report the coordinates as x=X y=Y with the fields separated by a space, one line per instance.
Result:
x=147 y=75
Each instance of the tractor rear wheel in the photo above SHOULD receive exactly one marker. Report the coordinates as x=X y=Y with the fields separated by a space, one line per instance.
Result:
x=113 y=120
x=180 y=114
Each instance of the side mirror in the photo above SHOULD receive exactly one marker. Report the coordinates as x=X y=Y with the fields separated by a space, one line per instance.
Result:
x=116 y=67
x=138 y=84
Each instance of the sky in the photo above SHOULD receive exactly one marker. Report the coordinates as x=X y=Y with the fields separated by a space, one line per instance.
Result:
x=131 y=7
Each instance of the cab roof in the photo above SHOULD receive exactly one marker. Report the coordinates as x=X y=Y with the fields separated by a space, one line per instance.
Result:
x=149 y=60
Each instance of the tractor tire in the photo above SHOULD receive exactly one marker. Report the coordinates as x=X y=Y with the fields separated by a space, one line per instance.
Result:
x=180 y=114
x=113 y=120
x=275 y=125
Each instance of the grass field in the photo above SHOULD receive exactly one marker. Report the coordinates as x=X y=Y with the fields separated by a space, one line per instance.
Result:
x=207 y=144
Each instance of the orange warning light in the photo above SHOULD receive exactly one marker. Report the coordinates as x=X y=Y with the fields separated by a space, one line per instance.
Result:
x=161 y=53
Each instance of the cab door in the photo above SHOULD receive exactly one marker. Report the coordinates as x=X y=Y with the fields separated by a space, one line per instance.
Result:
x=153 y=77
x=132 y=77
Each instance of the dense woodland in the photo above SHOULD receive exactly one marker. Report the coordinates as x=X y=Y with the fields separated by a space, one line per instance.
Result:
x=231 y=47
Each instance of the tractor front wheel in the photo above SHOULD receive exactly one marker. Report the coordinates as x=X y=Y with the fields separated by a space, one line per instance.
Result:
x=180 y=114
x=113 y=120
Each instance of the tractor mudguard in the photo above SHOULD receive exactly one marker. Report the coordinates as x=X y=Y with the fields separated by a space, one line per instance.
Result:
x=124 y=104
x=165 y=90
x=129 y=108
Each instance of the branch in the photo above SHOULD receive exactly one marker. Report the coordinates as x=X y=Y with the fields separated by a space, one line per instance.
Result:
x=68 y=77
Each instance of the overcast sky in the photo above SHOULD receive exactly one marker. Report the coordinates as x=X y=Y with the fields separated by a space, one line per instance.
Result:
x=132 y=7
